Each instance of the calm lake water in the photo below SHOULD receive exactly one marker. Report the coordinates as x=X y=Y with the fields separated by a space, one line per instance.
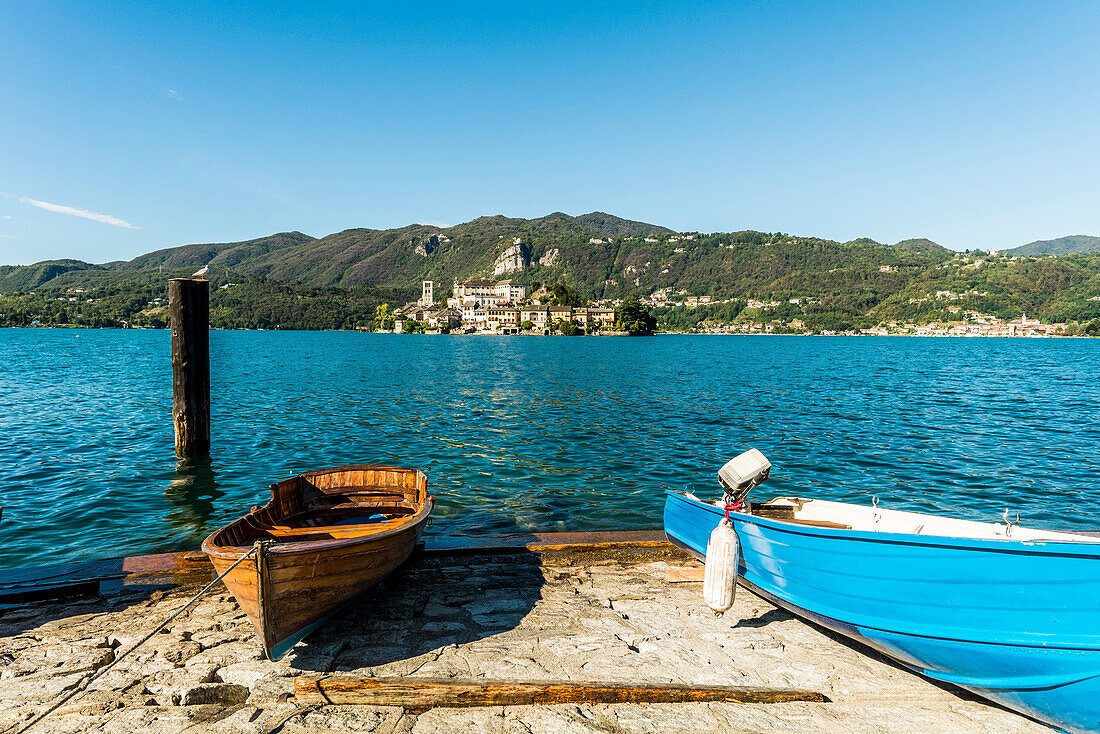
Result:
x=531 y=433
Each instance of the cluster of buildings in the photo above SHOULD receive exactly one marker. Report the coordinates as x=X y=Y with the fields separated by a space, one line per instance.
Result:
x=499 y=307
x=977 y=325
x=981 y=326
x=668 y=297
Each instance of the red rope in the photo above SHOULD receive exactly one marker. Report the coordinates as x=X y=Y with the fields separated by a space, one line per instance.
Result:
x=736 y=507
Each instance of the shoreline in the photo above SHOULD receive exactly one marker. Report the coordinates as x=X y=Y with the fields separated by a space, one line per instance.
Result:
x=77 y=327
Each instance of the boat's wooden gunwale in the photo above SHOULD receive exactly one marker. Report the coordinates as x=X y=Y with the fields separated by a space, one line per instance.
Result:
x=279 y=548
x=282 y=548
x=211 y=546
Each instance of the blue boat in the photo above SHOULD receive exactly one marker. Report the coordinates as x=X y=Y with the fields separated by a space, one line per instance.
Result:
x=1010 y=613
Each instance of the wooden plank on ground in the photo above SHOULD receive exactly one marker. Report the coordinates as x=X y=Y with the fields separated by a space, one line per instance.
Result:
x=512 y=542
x=684 y=574
x=68 y=579
x=421 y=694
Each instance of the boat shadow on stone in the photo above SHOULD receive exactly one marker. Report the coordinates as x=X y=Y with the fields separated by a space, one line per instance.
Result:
x=874 y=654
x=430 y=603
x=772 y=615
x=70 y=607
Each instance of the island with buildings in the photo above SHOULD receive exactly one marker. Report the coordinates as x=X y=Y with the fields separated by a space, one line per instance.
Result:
x=485 y=306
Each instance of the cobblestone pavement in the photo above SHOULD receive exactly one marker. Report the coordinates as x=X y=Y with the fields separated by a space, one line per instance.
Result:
x=578 y=617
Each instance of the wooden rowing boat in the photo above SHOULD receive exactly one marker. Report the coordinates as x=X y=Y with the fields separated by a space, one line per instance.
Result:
x=324 y=538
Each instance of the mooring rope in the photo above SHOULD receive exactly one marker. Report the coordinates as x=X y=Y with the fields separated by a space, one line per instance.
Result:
x=88 y=681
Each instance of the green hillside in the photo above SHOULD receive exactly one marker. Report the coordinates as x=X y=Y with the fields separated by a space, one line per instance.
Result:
x=920 y=244
x=292 y=279
x=224 y=255
x=29 y=277
x=1055 y=289
x=1078 y=243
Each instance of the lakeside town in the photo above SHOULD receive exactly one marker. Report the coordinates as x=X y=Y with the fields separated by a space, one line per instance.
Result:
x=485 y=306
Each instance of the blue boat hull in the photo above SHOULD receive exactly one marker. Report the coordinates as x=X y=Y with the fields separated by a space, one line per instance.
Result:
x=1017 y=622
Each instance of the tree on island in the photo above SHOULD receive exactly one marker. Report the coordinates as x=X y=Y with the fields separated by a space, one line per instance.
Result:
x=563 y=295
x=632 y=316
x=568 y=327
x=383 y=318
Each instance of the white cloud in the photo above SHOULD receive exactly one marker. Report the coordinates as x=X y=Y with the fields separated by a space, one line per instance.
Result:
x=174 y=94
x=6 y=237
x=61 y=209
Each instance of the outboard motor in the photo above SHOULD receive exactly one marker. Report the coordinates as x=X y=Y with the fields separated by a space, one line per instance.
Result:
x=741 y=474
x=737 y=478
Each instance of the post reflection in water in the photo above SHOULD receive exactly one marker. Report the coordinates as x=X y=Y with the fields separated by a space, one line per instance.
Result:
x=191 y=495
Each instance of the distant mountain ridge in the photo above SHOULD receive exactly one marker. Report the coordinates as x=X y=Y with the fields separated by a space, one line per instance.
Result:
x=1077 y=243
x=29 y=277
x=818 y=281
x=598 y=254
x=218 y=255
x=920 y=244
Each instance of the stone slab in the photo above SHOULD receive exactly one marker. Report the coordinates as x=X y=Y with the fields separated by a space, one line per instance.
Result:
x=592 y=615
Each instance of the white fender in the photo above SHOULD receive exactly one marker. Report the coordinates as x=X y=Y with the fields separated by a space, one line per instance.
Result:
x=720 y=573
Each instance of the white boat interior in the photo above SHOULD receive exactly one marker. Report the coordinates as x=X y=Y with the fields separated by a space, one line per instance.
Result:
x=748 y=470
x=842 y=515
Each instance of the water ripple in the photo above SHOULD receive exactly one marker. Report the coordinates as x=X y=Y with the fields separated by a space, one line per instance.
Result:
x=535 y=434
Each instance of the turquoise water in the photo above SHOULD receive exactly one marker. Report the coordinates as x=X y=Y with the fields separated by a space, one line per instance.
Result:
x=531 y=433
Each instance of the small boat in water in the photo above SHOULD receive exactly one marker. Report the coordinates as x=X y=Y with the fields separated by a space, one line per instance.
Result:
x=324 y=538
x=1010 y=613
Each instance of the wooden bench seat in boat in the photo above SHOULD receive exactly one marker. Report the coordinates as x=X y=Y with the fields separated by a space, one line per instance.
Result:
x=816 y=523
x=289 y=534
x=786 y=513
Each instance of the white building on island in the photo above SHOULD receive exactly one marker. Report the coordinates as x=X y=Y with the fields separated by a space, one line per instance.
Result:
x=484 y=292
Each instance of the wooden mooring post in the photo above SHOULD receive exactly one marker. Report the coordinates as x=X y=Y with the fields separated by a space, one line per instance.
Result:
x=189 y=315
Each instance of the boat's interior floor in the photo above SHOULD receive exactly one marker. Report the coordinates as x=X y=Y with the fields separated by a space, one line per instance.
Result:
x=333 y=516
x=844 y=516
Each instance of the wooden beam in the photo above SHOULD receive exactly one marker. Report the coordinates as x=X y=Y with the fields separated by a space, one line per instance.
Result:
x=573 y=542
x=188 y=566
x=420 y=694
x=684 y=574
x=189 y=316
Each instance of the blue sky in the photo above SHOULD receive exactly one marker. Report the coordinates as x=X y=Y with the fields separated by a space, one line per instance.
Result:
x=126 y=127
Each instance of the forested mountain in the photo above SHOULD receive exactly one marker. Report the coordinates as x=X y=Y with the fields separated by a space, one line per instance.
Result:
x=29 y=277
x=1056 y=289
x=599 y=255
x=920 y=244
x=294 y=280
x=224 y=255
x=1062 y=246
